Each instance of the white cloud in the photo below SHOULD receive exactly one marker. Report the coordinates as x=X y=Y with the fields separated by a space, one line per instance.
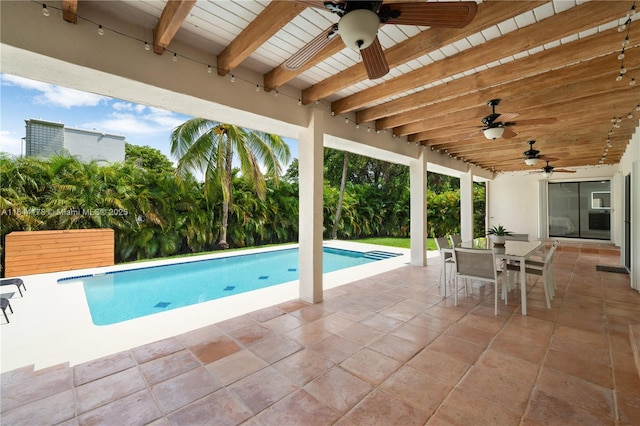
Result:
x=53 y=95
x=10 y=143
x=123 y=124
x=128 y=106
x=122 y=106
x=163 y=118
x=139 y=120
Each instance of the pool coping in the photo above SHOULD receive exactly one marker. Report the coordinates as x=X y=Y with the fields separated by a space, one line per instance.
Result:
x=51 y=323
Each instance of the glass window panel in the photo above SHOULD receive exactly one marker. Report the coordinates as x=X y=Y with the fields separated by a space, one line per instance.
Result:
x=580 y=210
x=564 y=209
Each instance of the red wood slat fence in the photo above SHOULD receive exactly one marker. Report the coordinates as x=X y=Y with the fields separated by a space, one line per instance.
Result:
x=38 y=252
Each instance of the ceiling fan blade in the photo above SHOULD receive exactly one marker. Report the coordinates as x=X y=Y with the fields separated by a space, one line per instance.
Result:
x=374 y=60
x=508 y=133
x=535 y=121
x=563 y=171
x=432 y=14
x=311 y=49
x=508 y=116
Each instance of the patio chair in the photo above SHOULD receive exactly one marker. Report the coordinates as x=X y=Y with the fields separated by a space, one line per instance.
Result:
x=542 y=269
x=476 y=264
x=455 y=239
x=446 y=261
x=14 y=281
x=4 y=304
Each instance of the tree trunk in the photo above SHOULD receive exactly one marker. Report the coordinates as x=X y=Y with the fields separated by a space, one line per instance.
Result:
x=226 y=203
x=343 y=183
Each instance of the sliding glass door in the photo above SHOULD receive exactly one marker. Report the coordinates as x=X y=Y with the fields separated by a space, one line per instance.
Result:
x=580 y=209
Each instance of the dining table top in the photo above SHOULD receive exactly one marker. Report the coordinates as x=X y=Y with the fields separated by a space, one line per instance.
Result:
x=511 y=248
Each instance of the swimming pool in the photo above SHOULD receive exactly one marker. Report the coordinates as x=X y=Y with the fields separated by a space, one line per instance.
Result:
x=118 y=296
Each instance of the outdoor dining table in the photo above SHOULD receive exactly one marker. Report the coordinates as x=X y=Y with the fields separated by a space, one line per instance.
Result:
x=511 y=251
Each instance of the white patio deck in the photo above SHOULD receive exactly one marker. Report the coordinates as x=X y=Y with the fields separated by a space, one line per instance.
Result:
x=52 y=324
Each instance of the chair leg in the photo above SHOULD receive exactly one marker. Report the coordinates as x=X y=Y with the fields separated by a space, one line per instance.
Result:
x=495 y=309
x=6 y=304
x=545 y=285
x=505 y=291
x=552 y=282
x=455 y=291
x=511 y=280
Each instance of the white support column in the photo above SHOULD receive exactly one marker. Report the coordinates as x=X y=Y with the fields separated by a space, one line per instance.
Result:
x=418 y=215
x=466 y=206
x=310 y=170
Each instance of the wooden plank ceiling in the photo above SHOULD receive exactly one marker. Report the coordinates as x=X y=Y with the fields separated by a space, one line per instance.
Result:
x=553 y=64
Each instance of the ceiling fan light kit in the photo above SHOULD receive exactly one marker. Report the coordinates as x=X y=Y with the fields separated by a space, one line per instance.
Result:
x=493 y=133
x=359 y=28
x=531 y=161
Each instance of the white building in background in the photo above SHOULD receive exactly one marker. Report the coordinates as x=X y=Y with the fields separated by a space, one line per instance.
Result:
x=46 y=138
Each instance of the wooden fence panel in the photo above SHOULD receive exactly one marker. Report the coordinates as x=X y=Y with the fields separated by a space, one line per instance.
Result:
x=38 y=252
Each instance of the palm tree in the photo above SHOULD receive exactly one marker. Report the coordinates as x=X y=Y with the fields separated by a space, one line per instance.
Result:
x=209 y=147
x=343 y=183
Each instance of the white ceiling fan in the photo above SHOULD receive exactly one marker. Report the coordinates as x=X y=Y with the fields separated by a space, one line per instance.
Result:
x=360 y=20
x=548 y=170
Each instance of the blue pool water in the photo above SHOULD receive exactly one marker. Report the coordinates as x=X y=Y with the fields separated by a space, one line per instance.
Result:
x=122 y=295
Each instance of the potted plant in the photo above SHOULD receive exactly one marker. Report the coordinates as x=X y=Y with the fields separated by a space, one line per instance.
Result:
x=498 y=233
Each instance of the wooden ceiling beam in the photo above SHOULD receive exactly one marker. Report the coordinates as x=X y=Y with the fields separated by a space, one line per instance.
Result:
x=567 y=152
x=551 y=63
x=591 y=107
x=173 y=15
x=506 y=151
x=580 y=162
x=552 y=147
x=589 y=154
x=488 y=14
x=272 y=18
x=559 y=161
x=556 y=27
x=570 y=132
x=586 y=71
x=443 y=138
x=279 y=75
x=606 y=85
x=70 y=11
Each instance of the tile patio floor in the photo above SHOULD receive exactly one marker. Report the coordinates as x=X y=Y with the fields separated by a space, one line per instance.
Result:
x=386 y=350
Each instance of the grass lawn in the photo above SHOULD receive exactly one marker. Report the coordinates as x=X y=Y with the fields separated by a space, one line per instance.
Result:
x=391 y=242
x=396 y=242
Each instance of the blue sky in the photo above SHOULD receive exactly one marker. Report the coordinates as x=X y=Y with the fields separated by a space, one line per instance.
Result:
x=22 y=99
